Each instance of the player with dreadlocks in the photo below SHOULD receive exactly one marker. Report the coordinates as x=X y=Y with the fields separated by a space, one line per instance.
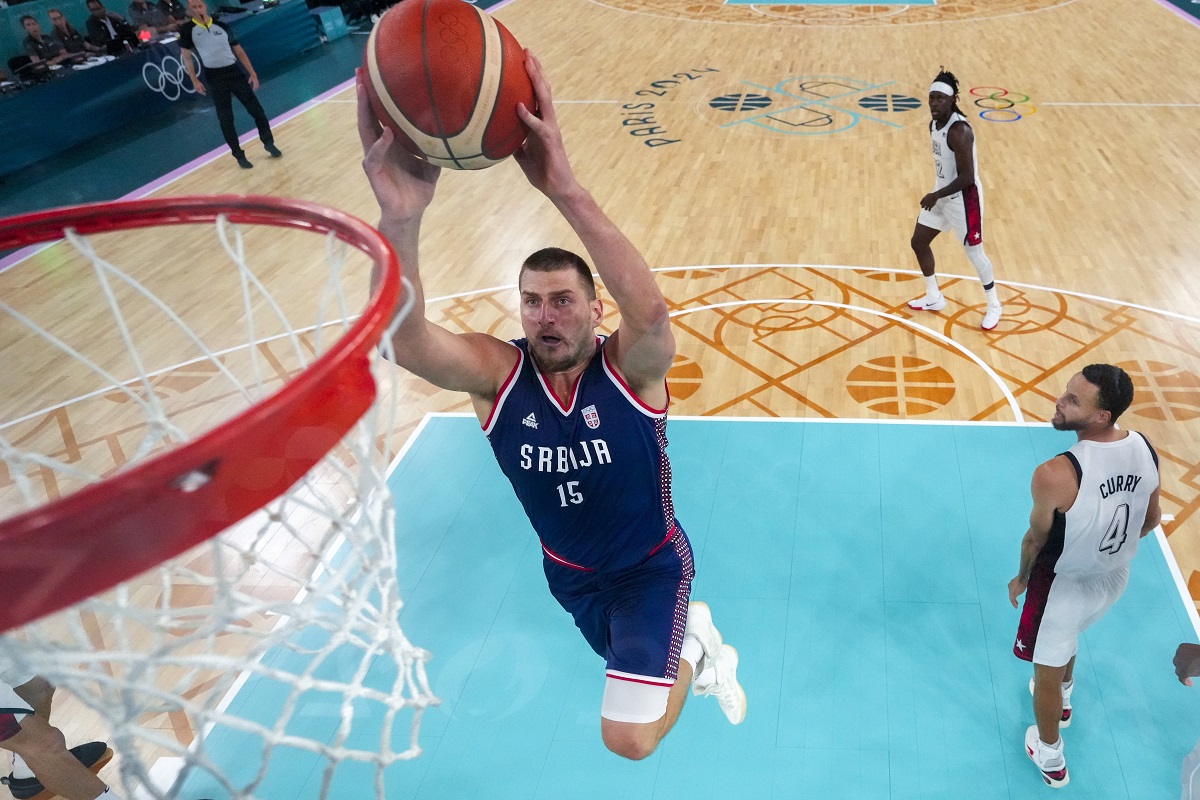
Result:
x=956 y=202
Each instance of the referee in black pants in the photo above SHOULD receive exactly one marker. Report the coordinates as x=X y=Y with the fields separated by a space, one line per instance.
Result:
x=219 y=52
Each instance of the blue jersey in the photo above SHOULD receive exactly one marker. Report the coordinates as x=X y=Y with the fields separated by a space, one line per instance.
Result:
x=593 y=476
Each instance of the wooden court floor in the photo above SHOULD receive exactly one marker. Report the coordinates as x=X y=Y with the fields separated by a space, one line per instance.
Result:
x=768 y=161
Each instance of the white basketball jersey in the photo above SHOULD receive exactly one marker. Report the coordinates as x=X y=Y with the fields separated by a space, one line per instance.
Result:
x=1104 y=523
x=945 y=168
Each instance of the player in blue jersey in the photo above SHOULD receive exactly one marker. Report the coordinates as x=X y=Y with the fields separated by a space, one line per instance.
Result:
x=577 y=422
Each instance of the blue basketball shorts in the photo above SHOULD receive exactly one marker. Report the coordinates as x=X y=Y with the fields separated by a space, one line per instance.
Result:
x=633 y=618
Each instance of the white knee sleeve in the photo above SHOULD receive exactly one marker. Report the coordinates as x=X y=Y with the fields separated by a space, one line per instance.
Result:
x=981 y=263
x=633 y=700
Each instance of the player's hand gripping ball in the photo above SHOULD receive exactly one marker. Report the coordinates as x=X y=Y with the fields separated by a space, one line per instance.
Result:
x=446 y=78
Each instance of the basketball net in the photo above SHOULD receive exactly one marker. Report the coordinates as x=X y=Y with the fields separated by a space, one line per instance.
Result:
x=279 y=637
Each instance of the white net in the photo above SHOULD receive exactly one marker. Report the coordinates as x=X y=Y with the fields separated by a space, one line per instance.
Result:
x=268 y=661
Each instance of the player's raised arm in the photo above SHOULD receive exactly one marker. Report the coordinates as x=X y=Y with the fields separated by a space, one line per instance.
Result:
x=644 y=343
x=404 y=185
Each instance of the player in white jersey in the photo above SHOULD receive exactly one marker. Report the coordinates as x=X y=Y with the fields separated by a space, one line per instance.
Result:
x=956 y=202
x=1075 y=556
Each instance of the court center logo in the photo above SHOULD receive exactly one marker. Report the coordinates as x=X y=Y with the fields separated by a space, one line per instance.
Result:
x=168 y=77
x=804 y=105
x=813 y=105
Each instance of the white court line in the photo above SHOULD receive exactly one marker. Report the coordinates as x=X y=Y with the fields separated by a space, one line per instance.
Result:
x=1132 y=105
x=556 y=102
x=813 y=420
x=1180 y=583
x=808 y=24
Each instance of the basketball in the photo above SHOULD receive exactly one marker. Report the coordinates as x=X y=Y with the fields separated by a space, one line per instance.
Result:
x=446 y=78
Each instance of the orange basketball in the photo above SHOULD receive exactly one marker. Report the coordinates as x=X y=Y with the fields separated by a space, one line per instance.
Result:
x=446 y=78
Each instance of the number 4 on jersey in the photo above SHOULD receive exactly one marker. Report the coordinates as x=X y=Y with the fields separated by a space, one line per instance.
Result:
x=1117 y=530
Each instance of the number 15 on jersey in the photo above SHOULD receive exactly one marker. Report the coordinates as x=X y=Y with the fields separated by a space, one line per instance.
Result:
x=569 y=491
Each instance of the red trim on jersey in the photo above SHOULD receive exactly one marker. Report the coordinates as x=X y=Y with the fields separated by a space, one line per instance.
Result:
x=498 y=400
x=632 y=394
x=667 y=538
x=565 y=409
x=647 y=682
x=970 y=196
x=1037 y=594
x=556 y=558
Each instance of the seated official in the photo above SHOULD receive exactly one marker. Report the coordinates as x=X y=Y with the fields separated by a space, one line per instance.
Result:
x=71 y=40
x=148 y=17
x=109 y=30
x=43 y=51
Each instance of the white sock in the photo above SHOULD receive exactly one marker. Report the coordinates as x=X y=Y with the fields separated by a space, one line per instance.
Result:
x=931 y=287
x=19 y=768
x=692 y=652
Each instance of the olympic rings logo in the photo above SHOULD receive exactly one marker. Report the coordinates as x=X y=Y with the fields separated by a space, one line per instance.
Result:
x=1001 y=105
x=168 y=77
x=453 y=34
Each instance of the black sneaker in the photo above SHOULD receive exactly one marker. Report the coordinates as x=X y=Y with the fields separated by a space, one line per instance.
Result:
x=92 y=755
x=244 y=162
x=273 y=150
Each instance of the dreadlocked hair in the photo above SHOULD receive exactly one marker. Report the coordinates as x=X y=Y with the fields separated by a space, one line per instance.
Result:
x=945 y=76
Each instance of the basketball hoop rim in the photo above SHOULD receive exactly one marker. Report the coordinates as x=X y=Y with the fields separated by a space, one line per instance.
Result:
x=147 y=500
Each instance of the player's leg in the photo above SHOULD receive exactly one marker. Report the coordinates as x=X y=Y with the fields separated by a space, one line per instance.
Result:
x=635 y=716
x=646 y=680
x=1068 y=685
x=654 y=647
x=1048 y=636
x=965 y=215
x=1043 y=744
x=38 y=694
x=45 y=751
x=929 y=225
x=1048 y=700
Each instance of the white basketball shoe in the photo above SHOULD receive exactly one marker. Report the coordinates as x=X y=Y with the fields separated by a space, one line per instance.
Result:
x=1050 y=760
x=719 y=679
x=716 y=674
x=927 y=303
x=700 y=625
x=991 y=317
